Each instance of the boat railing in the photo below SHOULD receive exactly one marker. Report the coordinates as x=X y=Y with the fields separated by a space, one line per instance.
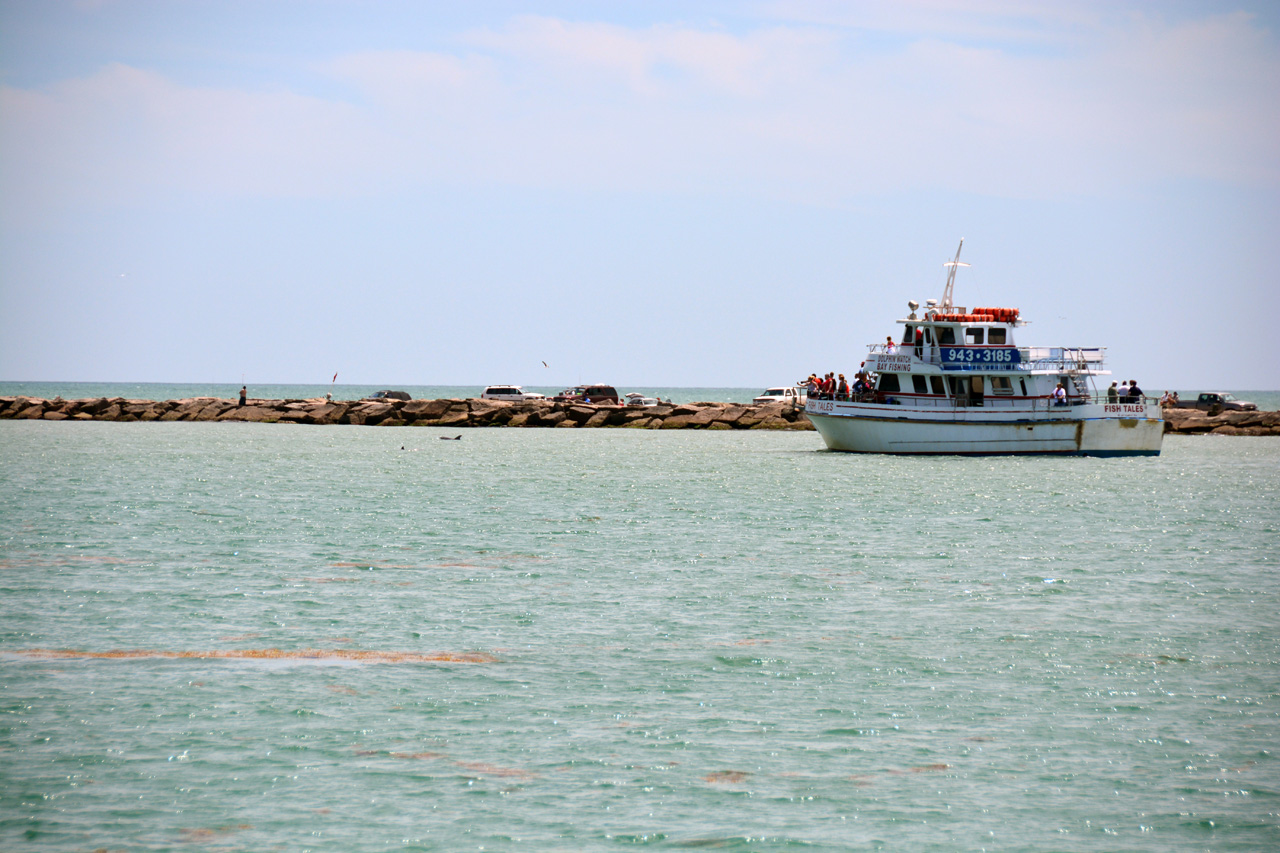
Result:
x=1060 y=359
x=1093 y=399
x=1039 y=404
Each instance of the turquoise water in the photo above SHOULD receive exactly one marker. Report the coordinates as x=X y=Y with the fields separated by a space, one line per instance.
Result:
x=630 y=640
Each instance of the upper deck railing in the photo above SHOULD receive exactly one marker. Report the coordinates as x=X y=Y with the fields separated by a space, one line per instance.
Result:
x=990 y=401
x=996 y=357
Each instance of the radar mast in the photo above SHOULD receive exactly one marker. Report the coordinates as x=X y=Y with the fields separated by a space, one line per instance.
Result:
x=951 y=277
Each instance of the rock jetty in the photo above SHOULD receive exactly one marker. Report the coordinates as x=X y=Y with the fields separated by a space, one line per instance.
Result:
x=446 y=413
x=494 y=413
x=1197 y=422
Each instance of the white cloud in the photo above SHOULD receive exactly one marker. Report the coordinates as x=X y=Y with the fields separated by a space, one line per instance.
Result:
x=803 y=109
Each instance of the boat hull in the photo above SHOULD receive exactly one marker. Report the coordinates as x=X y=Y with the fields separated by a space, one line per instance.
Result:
x=1086 y=431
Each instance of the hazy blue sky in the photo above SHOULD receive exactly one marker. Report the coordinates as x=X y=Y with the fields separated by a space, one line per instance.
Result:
x=642 y=193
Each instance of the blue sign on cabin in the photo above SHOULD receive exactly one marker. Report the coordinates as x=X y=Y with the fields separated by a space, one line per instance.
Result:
x=980 y=358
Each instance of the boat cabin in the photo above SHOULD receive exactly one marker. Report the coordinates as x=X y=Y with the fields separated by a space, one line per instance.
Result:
x=968 y=358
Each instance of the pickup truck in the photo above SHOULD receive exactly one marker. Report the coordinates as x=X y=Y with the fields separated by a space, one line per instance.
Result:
x=1217 y=401
x=782 y=394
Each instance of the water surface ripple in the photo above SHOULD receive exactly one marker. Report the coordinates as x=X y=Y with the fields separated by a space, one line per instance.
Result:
x=249 y=636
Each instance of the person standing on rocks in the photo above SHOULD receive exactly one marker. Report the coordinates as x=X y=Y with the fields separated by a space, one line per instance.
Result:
x=243 y=392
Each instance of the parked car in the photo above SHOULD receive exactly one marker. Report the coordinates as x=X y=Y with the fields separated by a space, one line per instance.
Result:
x=509 y=392
x=1219 y=400
x=588 y=394
x=783 y=394
x=388 y=395
x=640 y=400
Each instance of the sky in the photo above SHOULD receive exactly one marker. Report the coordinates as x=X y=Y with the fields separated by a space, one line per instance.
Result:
x=700 y=193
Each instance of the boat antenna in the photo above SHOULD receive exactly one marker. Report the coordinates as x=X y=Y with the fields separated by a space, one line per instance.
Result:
x=951 y=276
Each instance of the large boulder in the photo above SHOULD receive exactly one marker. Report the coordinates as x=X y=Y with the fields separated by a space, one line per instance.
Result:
x=251 y=414
x=369 y=412
x=456 y=416
x=424 y=410
x=730 y=413
x=581 y=414
x=547 y=418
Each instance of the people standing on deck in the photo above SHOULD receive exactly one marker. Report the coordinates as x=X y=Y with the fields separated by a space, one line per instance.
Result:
x=1124 y=391
x=842 y=389
x=1060 y=395
x=889 y=346
x=1135 y=393
x=1113 y=396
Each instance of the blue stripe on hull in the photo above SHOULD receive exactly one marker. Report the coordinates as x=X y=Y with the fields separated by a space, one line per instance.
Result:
x=1096 y=453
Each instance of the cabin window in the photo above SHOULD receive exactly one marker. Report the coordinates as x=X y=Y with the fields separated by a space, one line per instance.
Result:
x=919 y=383
x=936 y=382
x=1023 y=383
x=1001 y=385
x=889 y=383
x=947 y=336
x=908 y=335
x=996 y=336
x=973 y=335
x=928 y=335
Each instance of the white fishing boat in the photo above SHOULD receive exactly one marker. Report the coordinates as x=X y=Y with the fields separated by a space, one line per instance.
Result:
x=958 y=383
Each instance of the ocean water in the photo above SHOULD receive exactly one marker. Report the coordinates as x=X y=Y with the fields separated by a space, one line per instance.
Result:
x=246 y=637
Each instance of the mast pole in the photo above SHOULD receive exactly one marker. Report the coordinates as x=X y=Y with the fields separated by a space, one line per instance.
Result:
x=951 y=276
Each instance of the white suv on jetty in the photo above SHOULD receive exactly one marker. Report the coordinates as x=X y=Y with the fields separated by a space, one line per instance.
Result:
x=509 y=392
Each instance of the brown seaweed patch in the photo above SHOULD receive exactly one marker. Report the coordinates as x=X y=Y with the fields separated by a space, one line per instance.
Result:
x=202 y=834
x=726 y=777
x=486 y=769
x=348 y=655
x=482 y=768
x=344 y=690
x=46 y=560
x=930 y=768
x=371 y=564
